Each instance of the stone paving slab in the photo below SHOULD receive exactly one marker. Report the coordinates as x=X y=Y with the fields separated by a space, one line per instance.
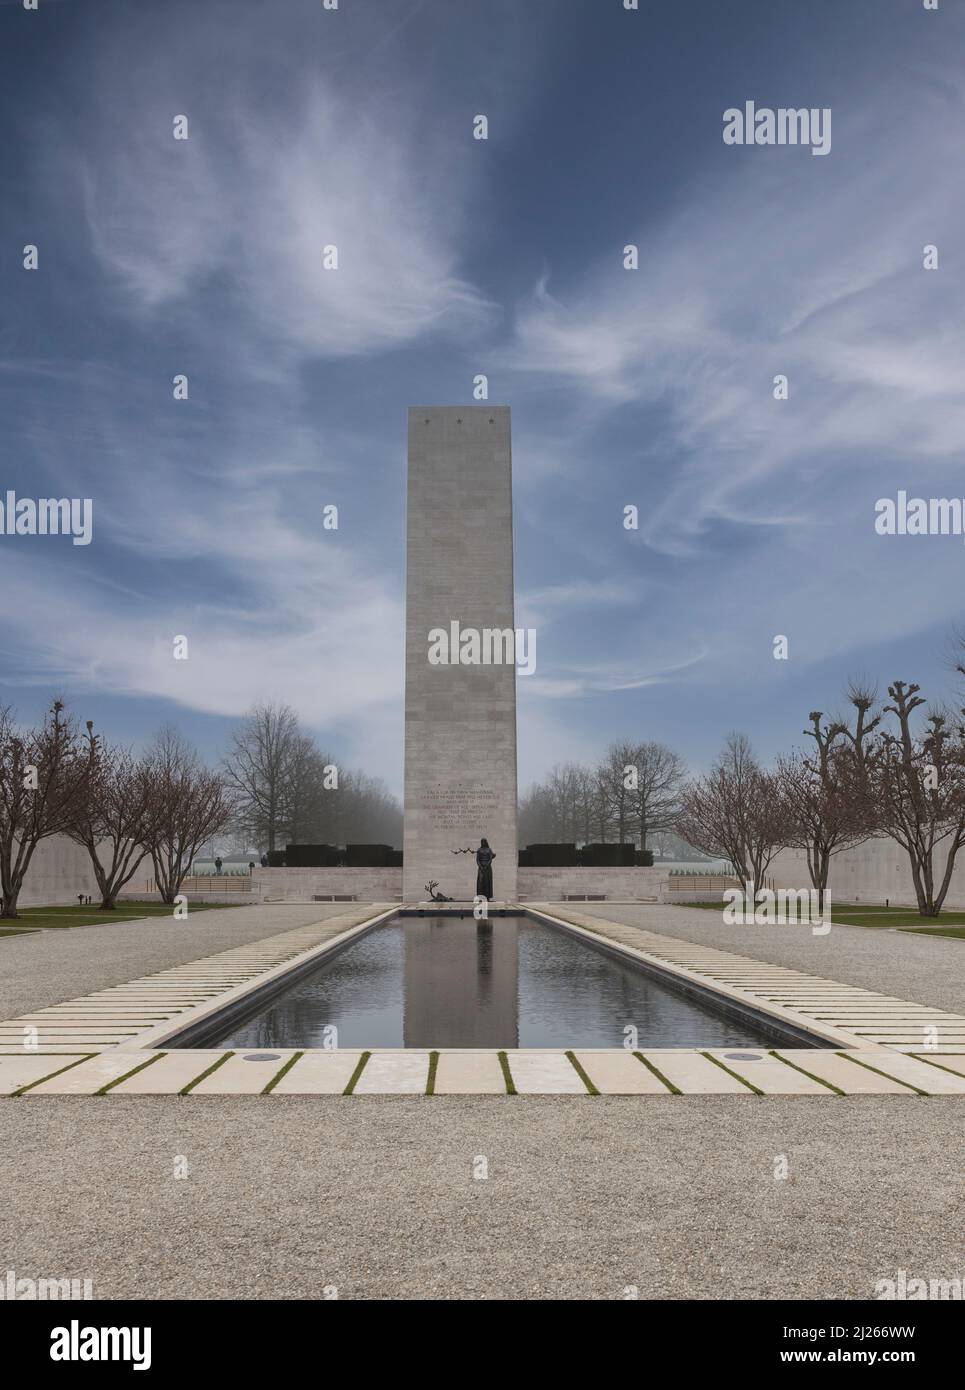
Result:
x=610 y=1071
x=544 y=1073
x=469 y=1073
x=934 y=1081
x=768 y=1074
x=852 y=1080
x=953 y=1061
x=171 y=1074
x=26 y=1069
x=87 y=1078
x=319 y=1073
x=620 y=1073
x=693 y=1074
x=394 y=1073
x=246 y=1073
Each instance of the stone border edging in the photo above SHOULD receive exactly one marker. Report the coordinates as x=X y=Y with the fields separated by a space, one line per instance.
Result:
x=231 y=1003
x=706 y=986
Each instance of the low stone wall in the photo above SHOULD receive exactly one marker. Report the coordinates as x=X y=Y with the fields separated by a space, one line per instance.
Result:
x=385 y=885
x=875 y=872
x=59 y=870
x=301 y=885
x=554 y=885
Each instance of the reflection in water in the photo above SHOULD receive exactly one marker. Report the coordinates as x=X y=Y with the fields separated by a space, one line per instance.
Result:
x=511 y=982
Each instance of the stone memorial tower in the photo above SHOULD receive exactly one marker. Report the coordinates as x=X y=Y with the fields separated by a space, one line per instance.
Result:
x=460 y=672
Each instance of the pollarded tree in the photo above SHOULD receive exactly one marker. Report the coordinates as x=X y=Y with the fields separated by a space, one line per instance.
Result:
x=737 y=812
x=189 y=804
x=859 y=741
x=918 y=786
x=113 y=819
x=42 y=775
x=826 y=798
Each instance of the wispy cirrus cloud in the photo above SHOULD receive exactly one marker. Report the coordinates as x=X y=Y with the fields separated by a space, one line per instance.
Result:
x=267 y=178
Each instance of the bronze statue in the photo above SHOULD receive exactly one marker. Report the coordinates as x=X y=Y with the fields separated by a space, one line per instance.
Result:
x=484 y=870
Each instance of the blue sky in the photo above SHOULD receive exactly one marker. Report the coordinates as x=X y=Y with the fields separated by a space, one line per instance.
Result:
x=457 y=257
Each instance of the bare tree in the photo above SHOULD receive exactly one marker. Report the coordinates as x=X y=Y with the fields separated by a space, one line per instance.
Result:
x=303 y=813
x=113 y=818
x=828 y=809
x=863 y=696
x=660 y=775
x=918 y=785
x=620 y=794
x=41 y=780
x=736 y=812
x=259 y=769
x=189 y=805
x=585 y=797
x=535 y=815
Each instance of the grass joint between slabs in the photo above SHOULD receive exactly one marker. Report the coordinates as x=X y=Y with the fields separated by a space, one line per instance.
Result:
x=924 y=1057
x=736 y=1075
x=281 y=1072
x=507 y=1074
x=133 y=1072
x=50 y=1075
x=674 y=1090
x=431 y=1078
x=353 y=1079
x=888 y=1077
x=804 y=1072
x=186 y=1090
x=572 y=1059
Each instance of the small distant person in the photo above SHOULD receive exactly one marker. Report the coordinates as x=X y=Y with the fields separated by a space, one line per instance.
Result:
x=264 y=861
x=484 y=870
x=218 y=863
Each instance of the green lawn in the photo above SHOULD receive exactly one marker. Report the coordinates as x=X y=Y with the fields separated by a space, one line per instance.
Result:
x=43 y=918
x=871 y=915
x=937 y=931
x=904 y=918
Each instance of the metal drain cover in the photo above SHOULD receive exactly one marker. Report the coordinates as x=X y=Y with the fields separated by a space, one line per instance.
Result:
x=743 y=1057
x=262 y=1057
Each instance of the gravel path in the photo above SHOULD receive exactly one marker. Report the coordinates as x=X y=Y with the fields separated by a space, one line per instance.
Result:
x=48 y=967
x=920 y=968
x=585 y=1197
x=375 y=1195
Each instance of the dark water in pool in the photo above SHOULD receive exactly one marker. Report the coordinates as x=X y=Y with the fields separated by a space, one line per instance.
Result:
x=510 y=982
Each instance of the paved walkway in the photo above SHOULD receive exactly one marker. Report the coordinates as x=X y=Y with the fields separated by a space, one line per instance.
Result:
x=844 y=1013
x=148 y=1011
x=154 y=1006
x=924 y=968
x=47 y=967
x=612 y=1072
